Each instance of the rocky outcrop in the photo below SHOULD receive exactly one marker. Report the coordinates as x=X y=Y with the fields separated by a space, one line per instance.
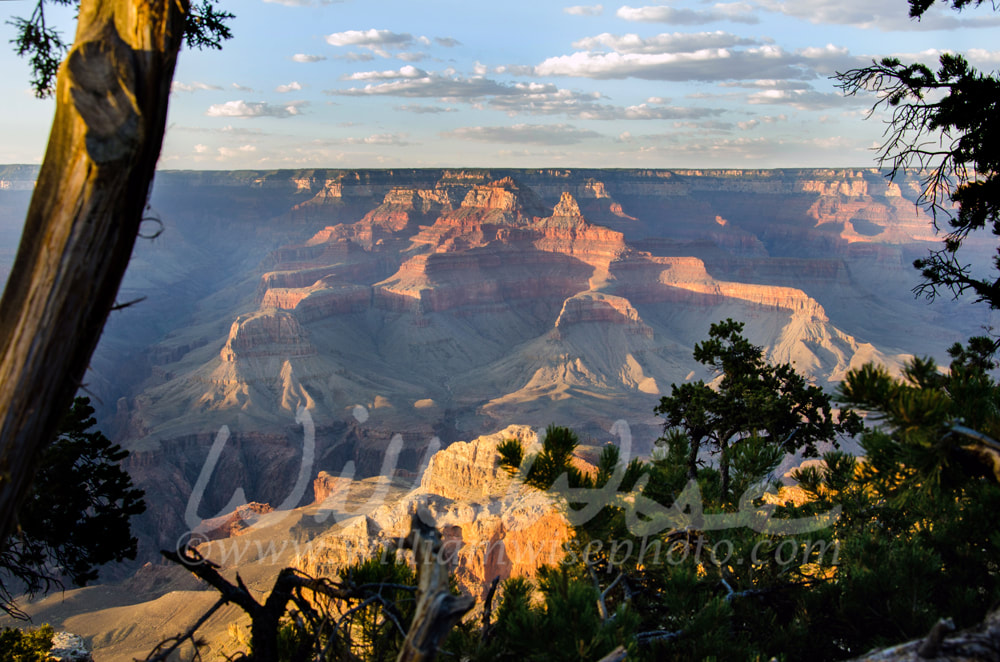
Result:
x=233 y=524
x=69 y=647
x=567 y=207
x=328 y=487
x=602 y=309
x=505 y=200
x=494 y=527
x=266 y=333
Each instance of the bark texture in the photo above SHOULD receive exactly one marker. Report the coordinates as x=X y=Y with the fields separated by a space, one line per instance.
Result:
x=438 y=609
x=111 y=108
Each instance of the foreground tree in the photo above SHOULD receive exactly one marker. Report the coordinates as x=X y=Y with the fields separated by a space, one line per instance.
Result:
x=919 y=531
x=380 y=609
x=111 y=106
x=76 y=516
x=26 y=645
x=752 y=399
x=943 y=125
x=863 y=553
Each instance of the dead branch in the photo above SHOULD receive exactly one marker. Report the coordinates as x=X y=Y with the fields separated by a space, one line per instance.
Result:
x=438 y=609
x=488 y=609
x=159 y=653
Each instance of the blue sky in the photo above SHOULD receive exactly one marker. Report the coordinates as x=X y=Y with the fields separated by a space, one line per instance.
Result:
x=438 y=83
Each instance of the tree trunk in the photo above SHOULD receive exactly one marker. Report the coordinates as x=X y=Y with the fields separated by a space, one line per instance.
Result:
x=692 y=460
x=724 y=468
x=438 y=610
x=111 y=109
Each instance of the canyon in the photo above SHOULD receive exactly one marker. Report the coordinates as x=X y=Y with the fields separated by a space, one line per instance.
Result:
x=428 y=306
x=301 y=335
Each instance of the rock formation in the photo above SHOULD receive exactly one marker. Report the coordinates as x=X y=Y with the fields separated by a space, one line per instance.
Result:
x=493 y=526
x=440 y=305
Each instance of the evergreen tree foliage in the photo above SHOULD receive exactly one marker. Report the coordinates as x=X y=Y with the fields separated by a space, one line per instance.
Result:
x=904 y=536
x=369 y=625
x=553 y=618
x=752 y=398
x=554 y=460
x=205 y=27
x=31 y=645
x=918 y=533
x=76 y=517
x=942 y=125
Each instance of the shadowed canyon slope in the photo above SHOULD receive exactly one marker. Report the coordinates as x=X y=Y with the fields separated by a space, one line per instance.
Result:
x=409 y=308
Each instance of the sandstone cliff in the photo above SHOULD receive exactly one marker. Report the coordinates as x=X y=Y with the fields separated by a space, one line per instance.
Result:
x=494 y=527
x=444 y=304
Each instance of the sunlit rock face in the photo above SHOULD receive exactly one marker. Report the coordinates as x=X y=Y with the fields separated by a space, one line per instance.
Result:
x=492 y=526
x=439 y=305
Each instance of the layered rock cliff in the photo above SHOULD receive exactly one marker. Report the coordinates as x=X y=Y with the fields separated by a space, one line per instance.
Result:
x=493 y=527
x=445 y=304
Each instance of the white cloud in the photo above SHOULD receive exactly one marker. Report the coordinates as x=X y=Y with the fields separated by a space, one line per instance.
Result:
x=382 y=139
x=535 y=134
x=304 y=58
x=768 y=84
x=886 y=15
x=246 y=109
x=978 y=57
x=229 y=152
x=737 y=12
x=242 y=88
x=178 y=86
x=585 y=10
x=373 y=39
x=586 y=107
x=832 y=142
x=677 y=42
x=433 y=85
x=804 y=99
x=294 y=86
x=406 y=72
x=200 y=149
x=356 y=57
x=709 y=64
x=447 y=42
x=982 y=56
x=703 y=56
x=420 y=109
x=531 y=98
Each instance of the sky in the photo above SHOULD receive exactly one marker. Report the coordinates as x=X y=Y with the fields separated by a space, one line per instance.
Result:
x=525 y=83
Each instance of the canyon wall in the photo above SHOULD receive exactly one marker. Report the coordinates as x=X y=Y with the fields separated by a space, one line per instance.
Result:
x=406 y=309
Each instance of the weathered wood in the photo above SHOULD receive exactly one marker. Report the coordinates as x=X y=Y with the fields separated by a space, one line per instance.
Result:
x=438 y=609
x=617 y=655
x=111 y=108
x=943 y=644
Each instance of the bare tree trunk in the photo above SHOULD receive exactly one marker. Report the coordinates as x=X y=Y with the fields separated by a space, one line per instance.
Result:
x=724 y=467
x=438 y=609
x=111 y=108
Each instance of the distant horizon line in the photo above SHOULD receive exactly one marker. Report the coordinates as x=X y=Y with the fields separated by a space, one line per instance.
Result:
x=679 y=169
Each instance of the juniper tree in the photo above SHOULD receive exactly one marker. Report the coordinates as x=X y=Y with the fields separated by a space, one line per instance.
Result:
x=942 y=124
